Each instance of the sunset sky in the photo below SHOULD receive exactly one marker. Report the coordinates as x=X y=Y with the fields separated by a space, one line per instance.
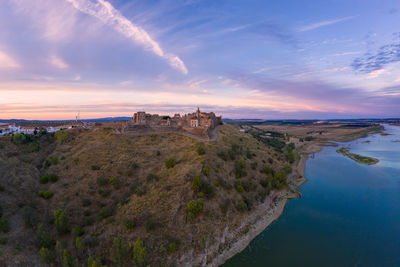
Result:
x=304 y=59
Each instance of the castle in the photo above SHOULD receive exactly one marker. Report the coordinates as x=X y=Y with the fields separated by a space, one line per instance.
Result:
x=197 y=123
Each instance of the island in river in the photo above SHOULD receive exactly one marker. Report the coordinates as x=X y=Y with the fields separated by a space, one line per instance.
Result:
x=360 y=159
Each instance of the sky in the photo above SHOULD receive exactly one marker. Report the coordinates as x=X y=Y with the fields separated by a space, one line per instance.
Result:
x=288 y=59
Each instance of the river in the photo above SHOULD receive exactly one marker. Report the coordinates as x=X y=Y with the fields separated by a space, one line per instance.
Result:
x=349 y=214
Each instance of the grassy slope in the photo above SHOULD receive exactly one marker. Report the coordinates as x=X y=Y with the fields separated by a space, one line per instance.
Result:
x=129 y=160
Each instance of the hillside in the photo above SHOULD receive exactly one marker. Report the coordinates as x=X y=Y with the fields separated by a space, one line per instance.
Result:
x=134 y=200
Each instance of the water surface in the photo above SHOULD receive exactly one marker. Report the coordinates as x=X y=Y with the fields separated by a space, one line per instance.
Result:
x=349 y=214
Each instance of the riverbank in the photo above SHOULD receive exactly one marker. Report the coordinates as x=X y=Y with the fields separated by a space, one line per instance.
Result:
x=270 y=211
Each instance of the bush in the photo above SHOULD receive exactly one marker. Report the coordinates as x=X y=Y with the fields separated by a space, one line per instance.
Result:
x=172 y=247
x=44 y=179
x=119 y=252
x=47 y=164
x=253 y=165
x=4 y=225
x=61 y=136
x=19 y=138
x=222 y=155
x=107 y=212
x=44 y=237
x=53 y=178
x=170 y=163
x=151 y=178
x=3 y=241
x=46 y=194
x=224 y=205
x=61 y=221
x=129 y=223
x=150 y=224
x=113 y=181
x=54 y=160
x=201 y=150
x=197 y=183
x=202 y=187
x=86 y=202
x=206 y=170
x=194 y=208
x=45 y=255
x=95 y=168
x=241 y=206
x=309 y=138
x=102 y=180
x=77 y=231
x=139 y=253
x=1 y=211
x=29 y=216
x=240 y=168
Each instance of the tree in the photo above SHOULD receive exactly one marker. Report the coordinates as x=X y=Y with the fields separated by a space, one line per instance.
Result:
x=45 y=255
x=139 y=253
x=19 y=138
x=118 y=252
x=61 y=221
x=61 y=136
x=4 y=225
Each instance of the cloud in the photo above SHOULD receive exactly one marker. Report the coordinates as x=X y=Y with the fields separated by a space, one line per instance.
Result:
x=106 y=13
x=376 y=73
x=385 y=55
x=6 y=62
x=324 y=23
x=58 y=62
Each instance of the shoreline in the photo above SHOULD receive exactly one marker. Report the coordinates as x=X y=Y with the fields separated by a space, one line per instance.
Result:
x=271 y=211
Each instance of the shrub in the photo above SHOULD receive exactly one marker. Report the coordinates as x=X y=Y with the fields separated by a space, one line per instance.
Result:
x=29 y=216
x=150 y=224
x=197 y=183
x=46 y=194
x=222 y=155
x=61 y=136
x=77 y=231
x=113 y=181
x=44 y=179
x=3 y=241
x=170 y=163
x=102 y=180
x=4 y=225
x=241 y=206
x=53 y=178
x=47 y=164
x=2 y=189
x=194 y=208
x=309 y=138
x=151 y=178
x=224 y=205
x=224 y=184
x=201 y=150
x=44 y=237
x=129 y=223
x=54 y=160
x=95 y=168
x=61 y=221
x=249 y=155
x=240 y=168
x=139 y=253
x=206 y=170
x=106 y=212
x=19 y=138
x=45 y=255
x=270 y=160
x=1 y=211
x=119 y=252
x=86 y=202
x=172 y=247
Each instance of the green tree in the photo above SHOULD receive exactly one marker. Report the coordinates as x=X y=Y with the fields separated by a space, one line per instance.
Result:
x=61 y=136
x=61 y=221
x=19 y=138
x=119 y=251
x=139 y=253
x=206 y=170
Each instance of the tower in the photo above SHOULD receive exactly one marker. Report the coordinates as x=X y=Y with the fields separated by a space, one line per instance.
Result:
x=198 y=113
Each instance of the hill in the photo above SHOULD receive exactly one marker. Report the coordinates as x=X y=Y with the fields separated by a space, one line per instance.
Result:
x=100 y=198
